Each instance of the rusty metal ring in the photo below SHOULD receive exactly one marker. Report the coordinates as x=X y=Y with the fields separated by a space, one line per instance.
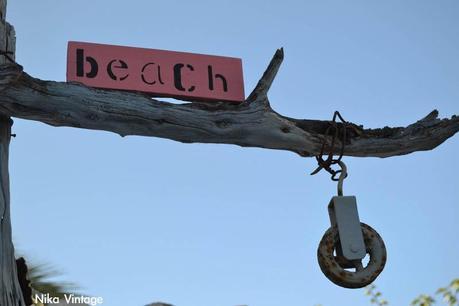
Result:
x=334 y=268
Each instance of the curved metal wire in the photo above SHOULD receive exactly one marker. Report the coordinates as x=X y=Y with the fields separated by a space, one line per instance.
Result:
x=342 y=176
x=333 y=130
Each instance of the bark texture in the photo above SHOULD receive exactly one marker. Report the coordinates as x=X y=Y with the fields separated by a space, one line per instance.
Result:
x=10 y=290
x=252 y=123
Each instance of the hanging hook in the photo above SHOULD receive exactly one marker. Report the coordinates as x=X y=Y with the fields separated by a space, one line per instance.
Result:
x=342 y=176
x=346 y=243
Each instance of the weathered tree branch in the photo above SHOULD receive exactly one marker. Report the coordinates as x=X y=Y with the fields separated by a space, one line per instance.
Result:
x=250 y=124
x=10 y=289
x=264 y=84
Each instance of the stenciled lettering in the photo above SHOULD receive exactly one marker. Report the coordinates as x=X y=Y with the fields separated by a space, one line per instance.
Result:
x=178 y=77
x=80 y=64
x=156 y=72
x=144 y=79
x=120 y=65
x=217 y=76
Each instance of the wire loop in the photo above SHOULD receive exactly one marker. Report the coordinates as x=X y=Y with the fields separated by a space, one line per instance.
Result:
x=330 y=160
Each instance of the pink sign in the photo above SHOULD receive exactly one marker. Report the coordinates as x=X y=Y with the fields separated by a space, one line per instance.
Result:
x=159 y=72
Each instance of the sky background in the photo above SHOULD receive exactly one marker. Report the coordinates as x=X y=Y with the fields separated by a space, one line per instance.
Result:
x=137 y=220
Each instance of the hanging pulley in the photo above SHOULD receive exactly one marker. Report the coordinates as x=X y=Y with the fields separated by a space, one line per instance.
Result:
x=346 y=244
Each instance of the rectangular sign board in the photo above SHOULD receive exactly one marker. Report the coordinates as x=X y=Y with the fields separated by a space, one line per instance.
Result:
x=158 y=72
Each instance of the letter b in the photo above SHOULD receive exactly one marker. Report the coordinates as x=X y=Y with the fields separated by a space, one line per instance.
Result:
x=80 y=65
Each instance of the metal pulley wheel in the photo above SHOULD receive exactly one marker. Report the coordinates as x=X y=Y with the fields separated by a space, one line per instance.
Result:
x=348 y=241
x=338 y=269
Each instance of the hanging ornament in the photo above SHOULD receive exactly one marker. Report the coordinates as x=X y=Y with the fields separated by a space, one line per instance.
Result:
x=347 y=242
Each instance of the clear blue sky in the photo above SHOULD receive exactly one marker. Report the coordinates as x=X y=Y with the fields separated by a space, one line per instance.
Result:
x=137 y=219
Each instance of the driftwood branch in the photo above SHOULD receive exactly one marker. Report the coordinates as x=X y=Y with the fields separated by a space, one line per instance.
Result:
x=10 y=289
x=252 y=123
x=264 y=84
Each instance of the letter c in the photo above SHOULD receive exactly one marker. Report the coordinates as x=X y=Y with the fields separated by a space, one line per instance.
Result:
x=178 y=77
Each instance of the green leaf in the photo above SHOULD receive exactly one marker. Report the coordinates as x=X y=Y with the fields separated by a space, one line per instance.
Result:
x=455 y=285
x=440 y=290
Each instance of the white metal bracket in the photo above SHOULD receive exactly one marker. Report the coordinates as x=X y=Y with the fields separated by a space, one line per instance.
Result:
x=345 y=217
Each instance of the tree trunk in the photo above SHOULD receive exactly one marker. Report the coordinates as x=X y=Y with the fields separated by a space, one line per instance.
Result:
x=10 y=291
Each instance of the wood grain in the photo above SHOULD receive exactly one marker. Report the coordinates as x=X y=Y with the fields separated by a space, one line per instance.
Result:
x=252 y=123
x=10 y=290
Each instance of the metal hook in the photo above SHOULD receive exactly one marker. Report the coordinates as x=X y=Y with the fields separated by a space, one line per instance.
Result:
x=348 y=241
x=342 y=176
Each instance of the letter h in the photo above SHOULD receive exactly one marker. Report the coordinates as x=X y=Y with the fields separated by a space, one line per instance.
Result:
x=217 y=76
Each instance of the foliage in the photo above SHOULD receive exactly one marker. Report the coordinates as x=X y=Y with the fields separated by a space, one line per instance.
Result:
x=423 y=300
x=376 y=296
x=448 y=294
x=40 y=276
x=42 y=281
